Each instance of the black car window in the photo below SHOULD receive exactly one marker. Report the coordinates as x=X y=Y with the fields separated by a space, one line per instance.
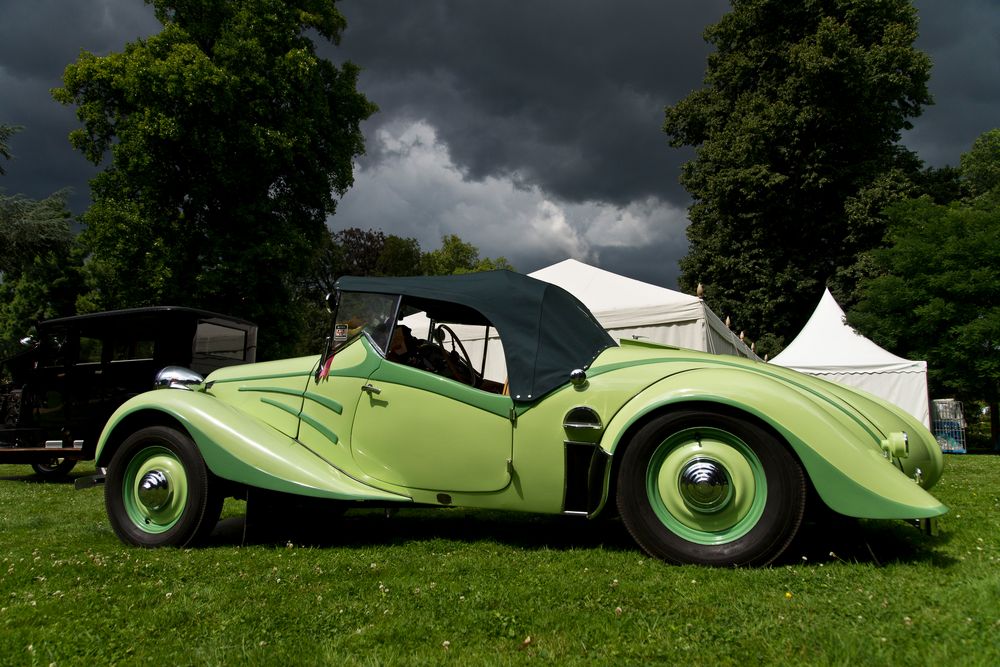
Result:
x=90 y=350
x=133 y=350
x=54 y=349
x=218 y=341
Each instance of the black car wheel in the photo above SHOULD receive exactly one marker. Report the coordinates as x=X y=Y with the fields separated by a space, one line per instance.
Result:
x=711 y=489
x=159 y=492
x=53 y=468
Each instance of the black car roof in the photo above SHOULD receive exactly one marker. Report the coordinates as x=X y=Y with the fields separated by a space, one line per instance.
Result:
x=127 y=313
x=546 y=331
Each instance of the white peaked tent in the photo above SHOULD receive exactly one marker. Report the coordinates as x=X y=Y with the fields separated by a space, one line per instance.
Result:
x=633 y=309
x=830 y=349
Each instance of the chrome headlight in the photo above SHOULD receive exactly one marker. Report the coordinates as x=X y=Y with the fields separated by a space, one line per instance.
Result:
x=177 y=377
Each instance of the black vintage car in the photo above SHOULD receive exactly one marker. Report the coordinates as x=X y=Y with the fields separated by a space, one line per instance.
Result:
x=57 y=394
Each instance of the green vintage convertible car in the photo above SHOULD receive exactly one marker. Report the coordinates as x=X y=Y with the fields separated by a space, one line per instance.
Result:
x=495 y=390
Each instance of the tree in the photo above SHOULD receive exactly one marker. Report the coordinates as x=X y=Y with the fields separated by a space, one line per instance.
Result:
x=39 y=268
x=796 y=134
x=457 y=256
x=229 y=139
x=980 y=167
x=938 y=295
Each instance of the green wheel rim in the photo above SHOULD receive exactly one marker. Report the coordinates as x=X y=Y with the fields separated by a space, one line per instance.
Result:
x=706 y=485
x=155 y=489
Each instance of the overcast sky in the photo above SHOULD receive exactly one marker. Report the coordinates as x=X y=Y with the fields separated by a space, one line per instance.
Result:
x=530 y=129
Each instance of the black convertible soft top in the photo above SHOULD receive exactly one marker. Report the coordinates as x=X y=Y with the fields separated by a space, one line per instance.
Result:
x=546 y=331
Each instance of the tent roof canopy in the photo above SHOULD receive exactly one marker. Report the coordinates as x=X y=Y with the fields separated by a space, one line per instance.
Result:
x=828 y=344
x=618 y=301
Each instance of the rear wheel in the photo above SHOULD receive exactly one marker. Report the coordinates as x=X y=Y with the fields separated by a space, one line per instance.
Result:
x=710 y=488
x=159 y=492
x=53 y=468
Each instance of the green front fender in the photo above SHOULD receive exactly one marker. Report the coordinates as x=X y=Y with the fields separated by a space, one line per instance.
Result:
x=838 y=448
x=238 y=447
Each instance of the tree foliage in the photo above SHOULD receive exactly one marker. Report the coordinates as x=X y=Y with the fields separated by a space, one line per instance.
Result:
x=456 y=256
x=229 y=140
x=980 y=167
x=39 y=267
x=796 y=135
x=6 y=132
x=938 y=297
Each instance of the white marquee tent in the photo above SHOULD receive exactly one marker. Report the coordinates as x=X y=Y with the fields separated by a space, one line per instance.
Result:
x=630 y=308
x=830 y=349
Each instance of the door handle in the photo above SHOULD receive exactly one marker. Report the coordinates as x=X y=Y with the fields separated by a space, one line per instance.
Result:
x=371 y=389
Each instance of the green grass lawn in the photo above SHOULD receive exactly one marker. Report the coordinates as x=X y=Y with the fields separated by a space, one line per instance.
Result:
x=466 y=587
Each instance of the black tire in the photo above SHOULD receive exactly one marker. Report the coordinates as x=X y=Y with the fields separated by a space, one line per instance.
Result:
x=53 y=469
x=710 y=488
x=159 y=492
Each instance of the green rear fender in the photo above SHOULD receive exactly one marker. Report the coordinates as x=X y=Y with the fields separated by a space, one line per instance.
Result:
x=238 y=447
x=840 y=452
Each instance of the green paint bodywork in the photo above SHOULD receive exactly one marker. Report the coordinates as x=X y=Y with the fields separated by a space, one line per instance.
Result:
x=378 y=431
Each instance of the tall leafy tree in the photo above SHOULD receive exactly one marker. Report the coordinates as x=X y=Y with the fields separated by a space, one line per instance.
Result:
x=796 y=133
x=229 y=140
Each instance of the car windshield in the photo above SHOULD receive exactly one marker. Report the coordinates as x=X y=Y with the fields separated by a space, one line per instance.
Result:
x=360 y=312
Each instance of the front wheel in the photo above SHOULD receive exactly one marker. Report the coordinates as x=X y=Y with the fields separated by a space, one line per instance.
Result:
x=159 y=492
x=711 y=489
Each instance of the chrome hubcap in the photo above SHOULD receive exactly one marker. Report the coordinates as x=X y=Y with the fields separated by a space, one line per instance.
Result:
x=154 y=490
x=704 y=486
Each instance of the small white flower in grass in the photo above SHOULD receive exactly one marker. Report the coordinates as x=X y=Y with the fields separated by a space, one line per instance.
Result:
x=446 y=644
x=907 y=620
x=618 y=611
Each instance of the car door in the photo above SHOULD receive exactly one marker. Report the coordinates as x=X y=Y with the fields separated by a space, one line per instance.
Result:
x=419 y=430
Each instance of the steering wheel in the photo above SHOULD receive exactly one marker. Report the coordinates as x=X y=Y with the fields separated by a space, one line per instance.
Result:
x=473 y=380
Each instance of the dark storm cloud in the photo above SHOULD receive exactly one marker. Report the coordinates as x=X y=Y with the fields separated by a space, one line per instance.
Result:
x=963 y=41
x=545 y=113
x=567 y=95
x=37 y=40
